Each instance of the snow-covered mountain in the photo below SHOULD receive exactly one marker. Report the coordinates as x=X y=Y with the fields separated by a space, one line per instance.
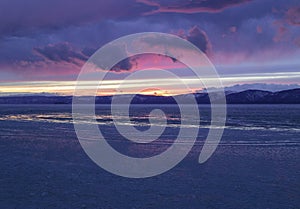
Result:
x=245 y=97
x=257 y=86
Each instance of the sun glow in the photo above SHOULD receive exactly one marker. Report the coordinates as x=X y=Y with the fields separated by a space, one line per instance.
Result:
x=158 y=87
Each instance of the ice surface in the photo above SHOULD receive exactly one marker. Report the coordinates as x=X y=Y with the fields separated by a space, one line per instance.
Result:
x=256 y=165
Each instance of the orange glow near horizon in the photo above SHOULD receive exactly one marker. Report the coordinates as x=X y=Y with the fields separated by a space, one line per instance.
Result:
x=155 y=92
x=162 y=86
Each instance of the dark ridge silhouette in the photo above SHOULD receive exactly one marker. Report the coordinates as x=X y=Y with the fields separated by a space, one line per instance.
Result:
x=245 y=97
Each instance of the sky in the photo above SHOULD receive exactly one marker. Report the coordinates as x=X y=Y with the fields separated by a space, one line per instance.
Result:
x=44 y=44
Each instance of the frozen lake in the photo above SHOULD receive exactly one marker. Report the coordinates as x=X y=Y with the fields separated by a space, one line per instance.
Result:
x=256 y=165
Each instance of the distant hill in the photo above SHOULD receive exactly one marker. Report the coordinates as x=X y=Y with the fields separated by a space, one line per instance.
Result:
x=245 y=97
x=265 y=97
x=258 y=86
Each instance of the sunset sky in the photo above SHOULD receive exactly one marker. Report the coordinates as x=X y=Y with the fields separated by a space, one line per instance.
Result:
x=44 y=44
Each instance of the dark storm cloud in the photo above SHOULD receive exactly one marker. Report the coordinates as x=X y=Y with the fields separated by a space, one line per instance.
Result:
x=88 y=51
x=195 y=35
x=200 y=39
x=60 y=52
x=57 y=35
x=113 y=51
x=189 y=7
x=19 y=17
x=124 y=65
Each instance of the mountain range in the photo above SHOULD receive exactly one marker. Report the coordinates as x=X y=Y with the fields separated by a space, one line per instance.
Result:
x=291 y=96
x=273 y=87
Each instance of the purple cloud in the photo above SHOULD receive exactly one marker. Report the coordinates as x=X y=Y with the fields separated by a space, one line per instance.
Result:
x=200 y=39
x=18 y=17
x=293 y=16
x=190 y=7
x=285 y=25
x=61 y=52
x=49 y=38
